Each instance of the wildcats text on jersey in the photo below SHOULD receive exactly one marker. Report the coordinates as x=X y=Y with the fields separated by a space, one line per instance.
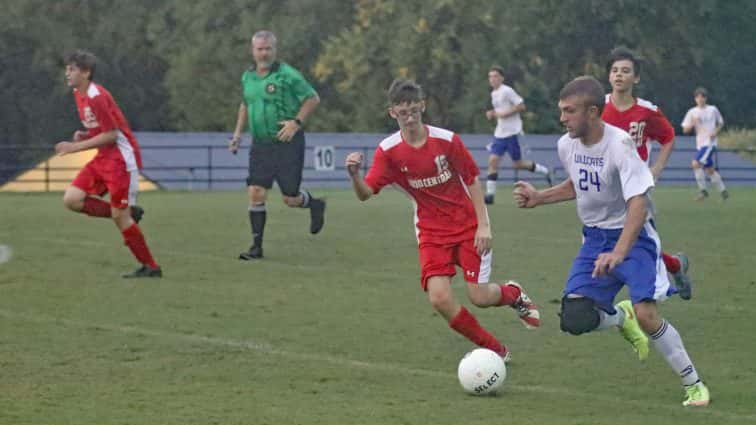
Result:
x=589 y=160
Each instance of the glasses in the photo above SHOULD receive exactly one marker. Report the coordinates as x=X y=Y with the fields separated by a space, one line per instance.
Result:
x=406 y=113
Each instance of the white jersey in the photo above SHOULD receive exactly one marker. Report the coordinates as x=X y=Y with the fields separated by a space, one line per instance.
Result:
x=605 y=175
x=706 y=121
x=503 y=99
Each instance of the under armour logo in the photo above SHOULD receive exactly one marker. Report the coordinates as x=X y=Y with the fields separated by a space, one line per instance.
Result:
x=470 y=273
x=404 y=169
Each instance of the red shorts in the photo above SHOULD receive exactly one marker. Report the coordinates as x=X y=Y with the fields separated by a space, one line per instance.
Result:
x=440 y=260
x=99 y=177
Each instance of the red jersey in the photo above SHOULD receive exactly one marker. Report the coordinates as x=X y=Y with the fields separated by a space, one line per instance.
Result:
x=435 y=176
x=644 y=121
x=99 y=113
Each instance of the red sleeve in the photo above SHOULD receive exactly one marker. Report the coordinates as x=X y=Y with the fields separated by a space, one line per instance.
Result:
x=462 y=162
x=659 y=128
x=103 y=111
x=381 y=172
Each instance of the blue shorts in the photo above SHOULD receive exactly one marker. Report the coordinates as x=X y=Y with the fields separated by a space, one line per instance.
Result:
x=510 y=144
x=705 y=156
x=642 y=271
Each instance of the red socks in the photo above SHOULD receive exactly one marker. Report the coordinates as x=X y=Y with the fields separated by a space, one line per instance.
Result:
x=509 y=294
x=466 y=324
x=96 y=207
x=134 y=239
x=672 y=263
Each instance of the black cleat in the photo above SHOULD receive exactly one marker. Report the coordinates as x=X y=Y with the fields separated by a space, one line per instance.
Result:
x=136 y=213
x=488 y=199
x=317 y=215
x=144 y=271
x=254 y=252
x=702 y=195
x=724 y=194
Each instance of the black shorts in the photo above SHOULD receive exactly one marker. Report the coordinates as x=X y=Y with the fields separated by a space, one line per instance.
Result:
x=278 y=161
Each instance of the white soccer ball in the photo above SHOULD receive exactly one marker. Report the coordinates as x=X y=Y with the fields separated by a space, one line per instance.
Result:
x=481 y=371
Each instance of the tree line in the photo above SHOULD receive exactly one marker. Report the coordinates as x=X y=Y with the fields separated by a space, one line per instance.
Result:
x=176 y=66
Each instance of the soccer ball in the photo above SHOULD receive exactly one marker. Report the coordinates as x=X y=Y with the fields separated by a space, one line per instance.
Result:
x=481 y=371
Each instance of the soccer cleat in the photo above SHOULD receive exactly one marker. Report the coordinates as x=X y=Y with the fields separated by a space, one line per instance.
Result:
x=702 y=195
x=254 y=252
x=682 y=281
x=696 y=395
x=724 y=194
x=526 y=309
x=144 y=271
x=317 y=215
x=136 y=213
x=488 y=199
x=631 y=330
x=550 y=177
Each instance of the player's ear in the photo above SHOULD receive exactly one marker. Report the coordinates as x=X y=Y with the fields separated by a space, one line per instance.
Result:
x=422 y=106
x=391 y=112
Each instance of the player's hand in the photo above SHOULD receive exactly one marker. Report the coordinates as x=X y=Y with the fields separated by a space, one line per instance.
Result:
x=79 y=135
x=288 y=129
x=63 y=148
x=606 y=262
x=483 y=239
x=525 y=195
x=656 y=172
x=490 y=114
x=233 y=144
x=353 y=163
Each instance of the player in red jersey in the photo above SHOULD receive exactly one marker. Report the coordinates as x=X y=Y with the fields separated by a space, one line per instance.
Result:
x=115 y=168
x=436 y=171
x=645 y=123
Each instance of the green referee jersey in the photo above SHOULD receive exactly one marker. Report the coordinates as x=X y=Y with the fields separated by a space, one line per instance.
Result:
x=272 y=98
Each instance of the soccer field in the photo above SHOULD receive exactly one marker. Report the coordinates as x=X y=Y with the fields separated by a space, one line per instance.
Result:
x=334 y=329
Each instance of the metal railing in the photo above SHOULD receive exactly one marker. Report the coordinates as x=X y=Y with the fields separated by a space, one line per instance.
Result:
x=209 y=172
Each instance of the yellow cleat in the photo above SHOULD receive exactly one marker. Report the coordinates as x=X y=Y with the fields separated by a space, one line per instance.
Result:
x=696 y=395
x=631 y=330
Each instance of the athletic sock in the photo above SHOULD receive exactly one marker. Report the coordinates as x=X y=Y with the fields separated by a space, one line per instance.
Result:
x=672 y=263
x=700 y=178
x=467 y=325
x=509 y=294
x=134 y=239
x=257 y=216
x=96 y=207
x=607 y=320
x=716 y=181
x=306 y=198
x=667 y=341
x=540 y=169
x=491 y=183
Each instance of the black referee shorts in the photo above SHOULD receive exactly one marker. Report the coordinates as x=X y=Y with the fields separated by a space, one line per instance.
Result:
x=280 y=162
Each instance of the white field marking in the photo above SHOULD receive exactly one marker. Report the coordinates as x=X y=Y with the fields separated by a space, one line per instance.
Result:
x=265 y=348
x=5 y=253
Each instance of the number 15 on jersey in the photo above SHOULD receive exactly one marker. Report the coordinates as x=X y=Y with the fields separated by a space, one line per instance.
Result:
x=589 y=178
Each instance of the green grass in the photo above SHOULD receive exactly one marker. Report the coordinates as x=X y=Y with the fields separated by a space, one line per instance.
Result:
x=334 y=329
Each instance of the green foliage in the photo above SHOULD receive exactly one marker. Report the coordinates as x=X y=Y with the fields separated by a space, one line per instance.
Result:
x=742 y=140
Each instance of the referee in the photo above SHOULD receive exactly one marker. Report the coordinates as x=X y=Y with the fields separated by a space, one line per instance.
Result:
x=276 y=100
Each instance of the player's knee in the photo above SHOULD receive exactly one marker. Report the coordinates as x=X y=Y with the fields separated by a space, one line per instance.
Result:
x=72 y=202
x=578 y=316
x=695 y=164
x=648 y=317
x=478 y=296
x=440 y=300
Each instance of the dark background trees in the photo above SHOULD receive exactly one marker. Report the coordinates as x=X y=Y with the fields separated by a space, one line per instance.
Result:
x=175 y=66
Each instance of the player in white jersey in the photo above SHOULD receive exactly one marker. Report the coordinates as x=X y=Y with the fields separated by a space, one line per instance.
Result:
x=707 y=121
x=507 y=106
x=620 y=246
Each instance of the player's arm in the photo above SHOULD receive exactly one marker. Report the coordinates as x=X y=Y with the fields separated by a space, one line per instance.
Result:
x=353 y=164
x=241 y=122
x=688 y=123
x=526 y=195
x=661 y=160
x=102 y=139
x=483 y=236
x=636 y=217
